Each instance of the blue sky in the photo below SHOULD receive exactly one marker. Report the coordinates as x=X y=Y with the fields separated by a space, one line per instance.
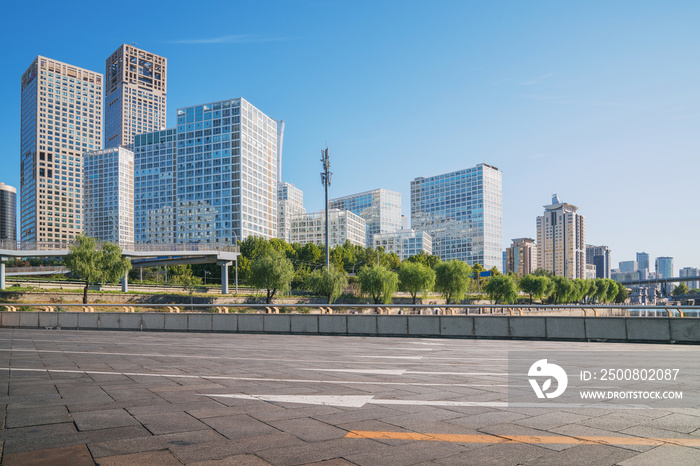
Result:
x=596 y=101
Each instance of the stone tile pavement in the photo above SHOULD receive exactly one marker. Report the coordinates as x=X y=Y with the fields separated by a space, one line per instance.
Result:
x=98 y=397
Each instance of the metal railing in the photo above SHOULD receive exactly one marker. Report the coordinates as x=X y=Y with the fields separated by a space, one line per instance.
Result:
x=388 y=309
x=136 y=247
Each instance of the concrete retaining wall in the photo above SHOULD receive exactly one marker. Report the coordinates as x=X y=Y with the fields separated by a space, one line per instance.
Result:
x=623 y=329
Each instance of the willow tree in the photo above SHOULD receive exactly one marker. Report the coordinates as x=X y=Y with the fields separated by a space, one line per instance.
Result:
x=93 y=265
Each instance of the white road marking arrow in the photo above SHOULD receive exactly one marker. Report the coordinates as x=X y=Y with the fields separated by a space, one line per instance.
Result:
x=360 y=401
x=354 y=401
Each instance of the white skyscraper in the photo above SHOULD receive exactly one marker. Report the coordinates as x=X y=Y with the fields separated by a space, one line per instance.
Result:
x=154 y=186
x=61 y=119
x=343 y=226
x=226 y=173
x=290 y=203
x=380 y=208
x=108 y=195
x=561 y=240
x=463 y=212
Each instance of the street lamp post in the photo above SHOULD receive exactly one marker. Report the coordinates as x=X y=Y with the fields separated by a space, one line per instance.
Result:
x=206 y=272
x=326 y=176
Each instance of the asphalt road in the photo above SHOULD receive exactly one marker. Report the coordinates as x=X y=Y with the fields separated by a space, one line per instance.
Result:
x=86 y=397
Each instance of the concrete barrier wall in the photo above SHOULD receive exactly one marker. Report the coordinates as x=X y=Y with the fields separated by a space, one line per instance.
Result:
x=623 y=329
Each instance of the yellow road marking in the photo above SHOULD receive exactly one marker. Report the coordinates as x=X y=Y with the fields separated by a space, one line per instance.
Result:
x=544 y=439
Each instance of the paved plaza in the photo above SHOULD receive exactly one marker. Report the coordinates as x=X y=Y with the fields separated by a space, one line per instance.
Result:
x=100 y=397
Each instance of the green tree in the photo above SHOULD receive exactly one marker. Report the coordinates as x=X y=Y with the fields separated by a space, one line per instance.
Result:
x=494 y=271
x=182 y=275
x=601 y=289
x=415 y=277
x=378 y=283
x=328 y=282
x=534 y=286
x=622 y=295
x=425 y=259
x=680 y=289
x=271 y=272
x=562 y=290
x=476 y=274
x=310 y=254
x=452 y=280
x=611 y=292
x=253 y=247
x=543 y=273
x=93 y=265
x=501 y=289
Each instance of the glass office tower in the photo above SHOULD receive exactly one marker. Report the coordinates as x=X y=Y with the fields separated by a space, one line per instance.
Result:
x=380 y=208
x=463 y=212
x=226 y=173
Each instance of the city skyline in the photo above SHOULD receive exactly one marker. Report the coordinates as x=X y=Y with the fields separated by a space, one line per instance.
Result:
x=589 y=124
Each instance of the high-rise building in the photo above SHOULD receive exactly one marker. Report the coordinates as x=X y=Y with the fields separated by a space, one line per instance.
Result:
x=343 y=226
x=290 y=203
x=404 y=243
x=600 y=257
x=561 y=240
x=226 y=173
x=690 y=272
x=628 y=266
x=8 y=213
x=135 y=100
x=521 y=257
x=380 y=208
x=664 y=267
x=280 y=145
x=61 y=119
x=463 y=212
x=154 y=186
x=108 y=195
x=643 y=261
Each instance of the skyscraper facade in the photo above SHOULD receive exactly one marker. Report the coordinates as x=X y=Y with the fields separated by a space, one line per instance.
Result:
x=108 y=195
x=664 y=267
x=380 y=208
x=8 y=213
x=290 y=203
x=404 y=243
x=600 y=257
x=343 y=226
x=61 y=119
x=521 y=257
x=643 y=261
x=154 y=186
x=226 y=173
x=690 y=272
x=628 y=266
x=136 y=90
x=463 y=212
x=561 y=240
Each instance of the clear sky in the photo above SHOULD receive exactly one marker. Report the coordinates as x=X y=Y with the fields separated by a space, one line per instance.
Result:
x=597 y=101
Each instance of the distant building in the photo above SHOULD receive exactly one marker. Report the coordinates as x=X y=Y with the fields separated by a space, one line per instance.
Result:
x=8 y=213
x=600 y=257
x=590 y=272
x=628 y=266
x=620 y=276
x=664 y=267
x=521 y=257
x=561 y=239
x=643 y=261
x=290 y=203
x=463 y=212
x=108 y=195
x=690 y=272
x=380 y=208
x=343 y=226
x=154 y=186
x=135 y=95
x=404 y=243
